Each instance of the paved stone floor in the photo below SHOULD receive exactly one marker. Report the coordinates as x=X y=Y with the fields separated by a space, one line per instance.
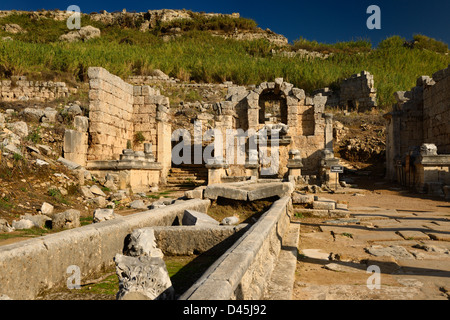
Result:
x=408 y=242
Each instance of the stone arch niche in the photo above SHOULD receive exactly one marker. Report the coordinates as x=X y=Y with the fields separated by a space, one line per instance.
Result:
x=272 y=107
x=300 y=121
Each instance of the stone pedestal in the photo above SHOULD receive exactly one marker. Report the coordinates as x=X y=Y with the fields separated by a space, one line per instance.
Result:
x=294 y=165
x=251 y=169
x=137 y=170
x=432 y=171
x=326 y=163
x=216 y=170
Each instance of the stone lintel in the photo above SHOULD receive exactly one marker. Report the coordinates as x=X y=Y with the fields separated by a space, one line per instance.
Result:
x=123 y=165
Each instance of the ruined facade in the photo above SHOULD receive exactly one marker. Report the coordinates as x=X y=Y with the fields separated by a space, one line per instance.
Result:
x=127 y=132
x=356 y=93
x=418 y=135
x=303 y=130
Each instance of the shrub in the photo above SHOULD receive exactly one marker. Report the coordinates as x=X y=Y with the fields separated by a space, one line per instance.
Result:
x=424 y=42
x=392 y=42
x=139 y=137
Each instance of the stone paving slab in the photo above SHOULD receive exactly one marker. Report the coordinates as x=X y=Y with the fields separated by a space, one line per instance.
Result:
x=413 y=235
x=377 y=236
x=439 y=236
x=343 y=229
x=436 y=227
x=368 y=217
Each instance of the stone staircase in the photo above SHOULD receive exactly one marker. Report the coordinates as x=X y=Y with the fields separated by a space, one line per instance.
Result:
x=194 y=175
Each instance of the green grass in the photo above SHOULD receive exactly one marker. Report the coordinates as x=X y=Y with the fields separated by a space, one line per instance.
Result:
x=57 y=196
x=199 y=56
x=84 y=221
x=348 y=235
x=33 y=232
x=108 y=286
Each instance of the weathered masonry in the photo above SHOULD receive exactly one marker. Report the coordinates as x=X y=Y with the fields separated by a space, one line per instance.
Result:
x=127 y=132
x=418 y=135
x=19 y=88
x=285 y=115
x=356 y=93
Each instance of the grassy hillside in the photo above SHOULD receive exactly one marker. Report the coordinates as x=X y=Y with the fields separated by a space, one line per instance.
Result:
x=201 y=57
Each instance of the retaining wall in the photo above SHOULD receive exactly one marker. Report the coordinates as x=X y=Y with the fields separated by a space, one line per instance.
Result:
x=243 y=272
x=20 y=89
x=31 y=267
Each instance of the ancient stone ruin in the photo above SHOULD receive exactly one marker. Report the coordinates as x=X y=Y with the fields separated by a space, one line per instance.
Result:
x=128 y=134
x=356 y=93
x=21 y=89
x=418 y=135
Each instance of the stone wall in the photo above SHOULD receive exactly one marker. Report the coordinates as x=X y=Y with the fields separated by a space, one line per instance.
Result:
x=420 y=118
x=20 y=89
x=243 y=271
x=110 y=115
x=358 y=92
x=122 y=114
x=436 y=111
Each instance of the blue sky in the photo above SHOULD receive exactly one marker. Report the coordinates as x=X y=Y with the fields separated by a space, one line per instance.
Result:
x=324 y=21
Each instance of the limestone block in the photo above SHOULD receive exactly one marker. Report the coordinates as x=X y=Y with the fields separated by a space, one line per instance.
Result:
x=81 y=123
x=20 y=128
x=47 y=208
x=195 y=218
x=75 y=142
x=38 y=220
x=66 y=220
x=324 y=205
x=22 y=224
x=5 y=227
x=299 y=198
x=101 y=215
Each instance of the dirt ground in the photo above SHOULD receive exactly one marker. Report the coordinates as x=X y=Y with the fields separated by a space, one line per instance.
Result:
x=409 y=234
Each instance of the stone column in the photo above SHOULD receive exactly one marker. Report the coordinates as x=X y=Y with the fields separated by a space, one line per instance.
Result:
x=328 y=131
x=164 y=148
x=76 y=141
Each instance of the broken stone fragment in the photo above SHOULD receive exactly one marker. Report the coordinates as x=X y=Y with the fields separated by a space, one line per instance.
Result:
x=99 y=201
x=101 y=215
x=86 y=192
x=97 y=191
x=138 y=204
x=5 y=227
x=47 y=208
x=141 y=242
x=300 y=198
x=22 y=224
x=230 y=221
x=195 y=218
x=38 y=220
x=66 y=220
x=20 y=128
